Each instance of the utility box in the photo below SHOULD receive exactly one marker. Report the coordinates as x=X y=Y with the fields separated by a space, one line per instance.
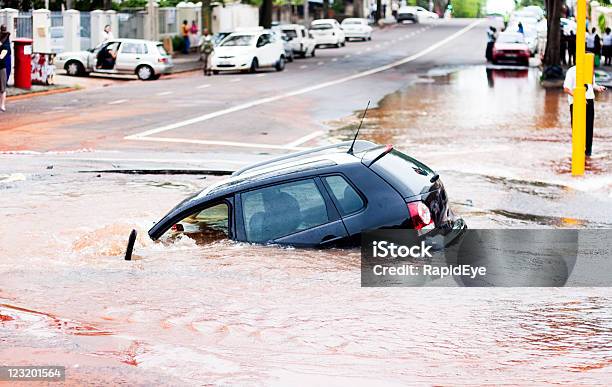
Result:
x=23 y=63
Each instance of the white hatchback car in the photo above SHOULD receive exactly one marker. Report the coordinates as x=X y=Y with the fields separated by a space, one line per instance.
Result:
x=327 y=32
x=145 y=58
x=415 y=14
x=356 y=28
x=247 y=51
x=302 y=42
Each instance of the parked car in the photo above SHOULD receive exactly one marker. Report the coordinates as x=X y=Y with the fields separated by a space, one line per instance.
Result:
x=511 y=47
x=287 y=46
x=414 y=14
x=320 y=197
x=249 y=50
x=145 y=58
x=530 y=33
x=302 y=41
x=327 y=32
x=356 y=28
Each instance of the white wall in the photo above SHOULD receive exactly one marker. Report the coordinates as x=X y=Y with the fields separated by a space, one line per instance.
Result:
x=232 y=16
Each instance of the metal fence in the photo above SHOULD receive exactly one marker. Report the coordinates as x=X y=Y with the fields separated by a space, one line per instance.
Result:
x=24 y=25
x=85 y=30
x=57 y=19
x=166 y=21
x=132 y=24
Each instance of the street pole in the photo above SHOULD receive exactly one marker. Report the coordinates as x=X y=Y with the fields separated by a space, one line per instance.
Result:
x=306 y=3
x=579 y=113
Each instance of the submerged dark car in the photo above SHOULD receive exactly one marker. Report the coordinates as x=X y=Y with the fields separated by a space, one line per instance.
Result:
x=320 y=197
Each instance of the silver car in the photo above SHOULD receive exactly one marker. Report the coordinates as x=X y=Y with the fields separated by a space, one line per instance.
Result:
x=147 y=59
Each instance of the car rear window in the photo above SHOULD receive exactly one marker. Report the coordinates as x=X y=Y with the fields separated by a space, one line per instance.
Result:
x=273 y=212
x=346 y=197
x=161 y=49
x=290 y=33
x=407 y=175
x=324 y=26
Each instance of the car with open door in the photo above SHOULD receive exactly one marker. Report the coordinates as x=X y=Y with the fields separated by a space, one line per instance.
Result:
x=321 y=197
x=301 y=40
x=147 y=59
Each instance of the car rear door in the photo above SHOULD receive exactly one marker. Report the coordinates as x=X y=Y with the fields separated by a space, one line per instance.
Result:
x=129 y=56
x=298 y=213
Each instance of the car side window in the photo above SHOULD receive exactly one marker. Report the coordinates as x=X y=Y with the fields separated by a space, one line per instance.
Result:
x=134 y=48
x=347 y=198
x=273 y=212
x=205 y=226
x=303 y=33
x=261 y=41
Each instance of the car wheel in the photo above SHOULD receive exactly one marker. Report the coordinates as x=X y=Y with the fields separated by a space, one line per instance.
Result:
x=254 y=65
x=370 y=37
x=145 y=73
x=290 y=58
x=280 y=65
x=337 y=45
x=216 y=72
x=74 y=68
x=312 y=54
x=343 y=44
x=156 y=76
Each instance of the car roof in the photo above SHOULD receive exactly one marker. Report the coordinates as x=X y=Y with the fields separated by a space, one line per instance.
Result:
x=323 y=21
x=130 y=40
x=287 y=26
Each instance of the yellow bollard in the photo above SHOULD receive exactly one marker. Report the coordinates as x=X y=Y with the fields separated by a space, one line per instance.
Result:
x=579 y=116
x=589 y=67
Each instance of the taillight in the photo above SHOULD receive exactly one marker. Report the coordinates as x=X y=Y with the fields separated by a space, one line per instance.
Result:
x=420 y=216
x=177 y=227
x=162 y=60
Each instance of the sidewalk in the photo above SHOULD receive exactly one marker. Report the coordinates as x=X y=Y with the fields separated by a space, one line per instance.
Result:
x=189 y=62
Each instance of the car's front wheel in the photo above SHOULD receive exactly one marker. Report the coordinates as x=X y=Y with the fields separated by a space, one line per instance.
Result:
x=280 y=65
x=145 y=73
x=74 y=68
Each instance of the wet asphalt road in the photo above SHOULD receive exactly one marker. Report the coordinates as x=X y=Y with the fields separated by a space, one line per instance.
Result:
x=101 y=118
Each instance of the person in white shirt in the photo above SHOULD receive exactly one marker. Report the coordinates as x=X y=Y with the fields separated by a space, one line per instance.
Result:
x=590 y=41
x=568 y=87
x=607 y=46
x=107 y=34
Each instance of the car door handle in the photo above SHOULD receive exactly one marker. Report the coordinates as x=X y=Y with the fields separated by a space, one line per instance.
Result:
x=137 y=57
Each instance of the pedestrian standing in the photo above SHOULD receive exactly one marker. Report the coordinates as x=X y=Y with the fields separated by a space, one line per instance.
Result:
x=521 y=29
x=193 y=33
x=490 y=42
x=590 y=41
x=5 y=51
x=571 y=48
x=185 y=33
x=206 y=49
x=563 y=48
x=107 y=33
x=607 y=47
x=9 y=62
x=394 y=8
x=597 y=49
x=568 y=87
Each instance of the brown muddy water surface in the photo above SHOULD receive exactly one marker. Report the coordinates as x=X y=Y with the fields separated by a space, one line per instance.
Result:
x=231 y=313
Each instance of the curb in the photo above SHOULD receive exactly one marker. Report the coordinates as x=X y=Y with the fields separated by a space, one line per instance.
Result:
x=41 y=93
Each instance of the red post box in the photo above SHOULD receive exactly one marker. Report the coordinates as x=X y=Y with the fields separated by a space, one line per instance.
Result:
x=23 y=63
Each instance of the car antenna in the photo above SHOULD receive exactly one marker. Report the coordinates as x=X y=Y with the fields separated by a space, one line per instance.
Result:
x=350 y=151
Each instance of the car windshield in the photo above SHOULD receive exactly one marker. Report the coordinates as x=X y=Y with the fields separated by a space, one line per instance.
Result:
x=322 y=26
x=290 y=33
x=238 y=40
x=161 y=49
x=511 y=38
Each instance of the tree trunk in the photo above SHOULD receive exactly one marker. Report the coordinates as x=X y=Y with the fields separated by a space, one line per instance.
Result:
x=358 y=8
x=265 y=14
x=206 y=16
x=325 y=9
x=306 y=13
x=379 y=13
x=552 y=55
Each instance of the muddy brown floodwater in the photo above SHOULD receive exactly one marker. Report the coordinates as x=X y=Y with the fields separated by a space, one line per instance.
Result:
x=232 y=313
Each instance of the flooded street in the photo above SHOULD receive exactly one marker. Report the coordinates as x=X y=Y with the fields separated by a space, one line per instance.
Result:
x=233 y=313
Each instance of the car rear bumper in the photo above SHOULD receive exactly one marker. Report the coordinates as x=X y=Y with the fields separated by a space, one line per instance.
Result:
x=406 y=16
x=327 y=40
x=355 y=34
x=164 y=69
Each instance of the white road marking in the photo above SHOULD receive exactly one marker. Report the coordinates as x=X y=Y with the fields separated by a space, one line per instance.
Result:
x=305 y=139
x=235 y=80
x=247 y=105
x=320 y=63
x=221 y=143
x=359 y=52
x=260 y=75
x=347 y=56
x=334 y=59
x=203 y=86
x=303 y=66
x=117 y=102
x=164 y=93
x=369 y=49
x=377 y=46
